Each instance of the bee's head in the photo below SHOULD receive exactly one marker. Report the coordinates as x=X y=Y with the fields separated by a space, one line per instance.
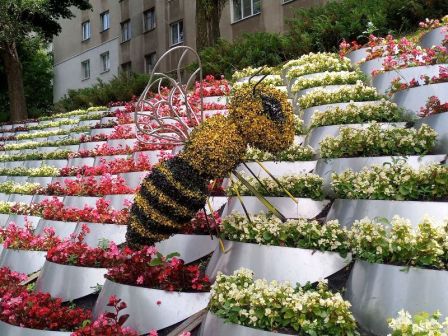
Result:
x=263 y=115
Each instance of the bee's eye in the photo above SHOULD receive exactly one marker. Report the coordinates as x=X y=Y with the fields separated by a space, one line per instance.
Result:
x=273 y=108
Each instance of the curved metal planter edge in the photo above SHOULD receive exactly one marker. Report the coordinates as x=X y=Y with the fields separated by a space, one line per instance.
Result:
x=151 y=308
x=69 y=282
x=274 y=262
x=216 y=326
x=11 y=330
x=378 y=292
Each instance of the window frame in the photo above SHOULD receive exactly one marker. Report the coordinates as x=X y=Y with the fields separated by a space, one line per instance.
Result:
x=102 y=58
x=85 y=65
x=89 y=30
x=102 y=16
x=126 y=65
x=145 y=21
x=147 y=56
x=126 y=23
x=180 y=40
x=252 y=13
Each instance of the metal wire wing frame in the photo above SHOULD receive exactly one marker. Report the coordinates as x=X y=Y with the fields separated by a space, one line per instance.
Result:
x=165 y=121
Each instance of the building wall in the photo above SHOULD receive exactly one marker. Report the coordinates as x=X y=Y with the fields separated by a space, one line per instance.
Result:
x=156 y=40
x=68 y=74
x=272 y=18
x=70 y=50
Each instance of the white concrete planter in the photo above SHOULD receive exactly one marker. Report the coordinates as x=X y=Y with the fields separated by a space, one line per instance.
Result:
x=215 y=326
x=91 y=145
x=190 y=247
x=151 y=308
x=97 y=131
x=21 y=220
x=347 y=211
x=80 y=201
x=434 y=38
x=439 y=123
x=69 y=282
x=117 y=202
x=369 y=66
x=117 y=108
x=215 y=100
x=357 y=55
x=79 y=162
x=378 y=292
x=305 y=208
x=133 y=179
x=98 y=231
x=55 y=163
x=383 y=81
x=278 y=168
x=62 y=229
x=309 y=265
x=10 y=330
x=108 y=158
x=22 y=261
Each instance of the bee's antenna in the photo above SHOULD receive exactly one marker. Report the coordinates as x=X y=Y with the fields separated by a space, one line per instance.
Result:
x=255 y=86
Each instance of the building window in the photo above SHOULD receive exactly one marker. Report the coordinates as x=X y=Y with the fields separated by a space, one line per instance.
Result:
x=150 y=62
x=126 y=67
x=149 y=18
x=125 y=31
x=85 y=30
x=105 y=20
x=105 y=61
x=244 y=8
x=177 y=32
x=85 y=68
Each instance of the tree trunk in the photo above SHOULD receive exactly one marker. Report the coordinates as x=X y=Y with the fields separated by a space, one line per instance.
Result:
x=208 y=15
x=16 y=91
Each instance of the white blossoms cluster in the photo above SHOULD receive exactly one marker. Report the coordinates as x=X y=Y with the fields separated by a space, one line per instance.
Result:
x=422 y=324
x=267 y=229
x=53 y=124
x=311 y=58
x=274 y=80
x=300 y=185
x=377 y=141
x=315 y=63
x=328 y=78
x=399 y=243
x=44 y=134
x=293 y=153
x=345 y=94
x=385 y=111
x=250 y=71
x=396 y=181
x=274 y=306
x=10 y=187
x=23 y=171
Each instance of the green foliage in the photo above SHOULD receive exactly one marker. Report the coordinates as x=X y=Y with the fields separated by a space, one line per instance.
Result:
x=323 y=27
x=254 y=49
x=121 y=88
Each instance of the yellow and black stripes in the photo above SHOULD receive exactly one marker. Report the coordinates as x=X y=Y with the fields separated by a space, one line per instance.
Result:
x=169 y=198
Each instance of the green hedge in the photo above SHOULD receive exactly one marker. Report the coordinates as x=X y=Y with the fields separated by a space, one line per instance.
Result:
x=121 y=88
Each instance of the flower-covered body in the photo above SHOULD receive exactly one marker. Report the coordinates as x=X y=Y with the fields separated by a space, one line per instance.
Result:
x=176 y=189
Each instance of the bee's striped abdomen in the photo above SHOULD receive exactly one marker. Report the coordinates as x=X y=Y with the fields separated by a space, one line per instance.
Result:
x=169 y=197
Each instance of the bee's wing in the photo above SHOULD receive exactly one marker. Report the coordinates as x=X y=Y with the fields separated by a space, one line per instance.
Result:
x=167 y=110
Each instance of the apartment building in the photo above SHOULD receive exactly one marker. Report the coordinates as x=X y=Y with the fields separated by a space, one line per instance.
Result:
x=130 y=35
x=87 y=49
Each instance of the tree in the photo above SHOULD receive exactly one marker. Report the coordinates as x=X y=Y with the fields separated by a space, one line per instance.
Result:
x=21 y=20
x=208 y=15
